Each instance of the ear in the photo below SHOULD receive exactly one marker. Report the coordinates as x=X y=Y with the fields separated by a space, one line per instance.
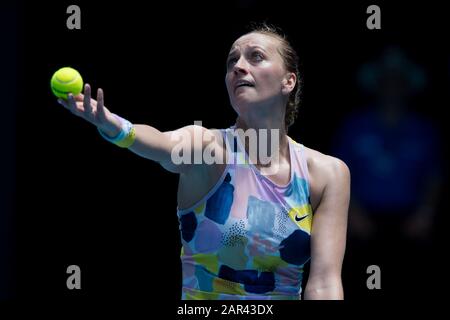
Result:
x=289 y=82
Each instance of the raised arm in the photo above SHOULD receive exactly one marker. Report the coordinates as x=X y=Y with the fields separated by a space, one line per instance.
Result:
x=149 y=142
x=329 y=228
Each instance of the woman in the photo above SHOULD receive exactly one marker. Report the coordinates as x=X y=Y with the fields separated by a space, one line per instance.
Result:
x=248 y=226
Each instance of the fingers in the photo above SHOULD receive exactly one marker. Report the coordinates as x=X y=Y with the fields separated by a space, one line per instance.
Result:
x=84 y=106
x=64 y=103
x=73 y=105
x=100 y=104
x=87 y=100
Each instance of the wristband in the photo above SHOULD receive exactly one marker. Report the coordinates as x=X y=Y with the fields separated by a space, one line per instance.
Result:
x=126 y=136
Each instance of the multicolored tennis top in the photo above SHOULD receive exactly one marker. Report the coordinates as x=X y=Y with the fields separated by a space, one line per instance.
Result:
x=248 y=238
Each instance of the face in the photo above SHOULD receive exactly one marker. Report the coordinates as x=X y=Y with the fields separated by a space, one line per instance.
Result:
x=256 y=73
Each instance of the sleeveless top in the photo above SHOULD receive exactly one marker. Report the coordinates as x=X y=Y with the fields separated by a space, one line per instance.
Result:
x=248 y=238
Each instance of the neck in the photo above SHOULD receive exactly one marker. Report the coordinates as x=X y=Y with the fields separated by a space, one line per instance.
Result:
x=269 y=138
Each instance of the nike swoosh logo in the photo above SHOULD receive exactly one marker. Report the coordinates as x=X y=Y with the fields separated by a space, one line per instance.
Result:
x=298 y=219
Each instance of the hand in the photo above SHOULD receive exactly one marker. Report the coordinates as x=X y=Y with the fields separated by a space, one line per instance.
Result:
x=93 y=111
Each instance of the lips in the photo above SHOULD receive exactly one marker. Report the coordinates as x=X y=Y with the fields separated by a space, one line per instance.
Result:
x=243 y=83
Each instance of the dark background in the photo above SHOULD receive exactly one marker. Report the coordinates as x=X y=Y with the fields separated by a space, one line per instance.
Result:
x=80 y=200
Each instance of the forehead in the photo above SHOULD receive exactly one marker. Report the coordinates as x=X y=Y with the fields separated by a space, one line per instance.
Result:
x=254 y=39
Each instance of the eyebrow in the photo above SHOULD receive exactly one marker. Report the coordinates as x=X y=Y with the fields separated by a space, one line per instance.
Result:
x=251 y=47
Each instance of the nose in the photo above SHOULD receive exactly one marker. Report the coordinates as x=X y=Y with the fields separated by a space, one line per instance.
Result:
x=240 y=66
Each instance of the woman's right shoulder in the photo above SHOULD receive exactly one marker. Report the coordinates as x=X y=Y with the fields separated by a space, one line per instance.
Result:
x=198 y=136
x=209 y=146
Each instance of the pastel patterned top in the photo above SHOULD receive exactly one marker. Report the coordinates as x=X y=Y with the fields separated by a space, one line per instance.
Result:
x=248 y=238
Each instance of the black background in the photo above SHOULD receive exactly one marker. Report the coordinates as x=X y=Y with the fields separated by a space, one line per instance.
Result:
x=80 y=200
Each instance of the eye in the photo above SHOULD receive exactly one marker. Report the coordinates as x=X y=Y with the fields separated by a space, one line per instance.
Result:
x=257 y=56
x=231 y=61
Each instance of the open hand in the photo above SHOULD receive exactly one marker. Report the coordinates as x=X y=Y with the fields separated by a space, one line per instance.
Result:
x=93 y=111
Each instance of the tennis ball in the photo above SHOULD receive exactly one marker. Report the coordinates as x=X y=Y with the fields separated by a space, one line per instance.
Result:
x=66 y=80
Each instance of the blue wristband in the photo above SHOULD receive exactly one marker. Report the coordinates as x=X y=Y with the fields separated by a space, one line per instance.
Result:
x=126 y=127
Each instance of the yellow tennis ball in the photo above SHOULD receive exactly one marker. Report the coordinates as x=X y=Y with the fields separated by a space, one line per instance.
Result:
x=66 y=80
